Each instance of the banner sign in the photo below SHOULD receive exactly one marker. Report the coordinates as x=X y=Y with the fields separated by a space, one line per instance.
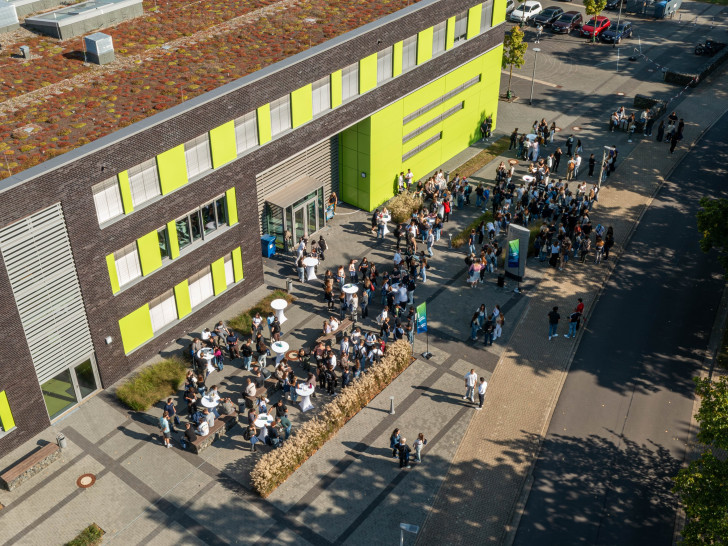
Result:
x=513 y=253
x=422 y=317
x=517 y=252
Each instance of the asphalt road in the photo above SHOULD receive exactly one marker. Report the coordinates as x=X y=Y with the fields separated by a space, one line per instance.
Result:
x=619 y=429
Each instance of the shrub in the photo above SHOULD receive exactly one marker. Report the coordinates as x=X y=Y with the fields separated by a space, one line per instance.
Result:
x=90 y=536
x=403 y=206
x=273 y=468
x=244 y=321
x=152 y=384
x=461 y=238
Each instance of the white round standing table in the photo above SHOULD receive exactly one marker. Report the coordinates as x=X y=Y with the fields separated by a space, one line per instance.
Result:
x=310 y=264
x=278 y=306
x=261 y=423
x=210 y=402
x=279 y=348
x=305 y=393
x=349 y=289
x=527 y=178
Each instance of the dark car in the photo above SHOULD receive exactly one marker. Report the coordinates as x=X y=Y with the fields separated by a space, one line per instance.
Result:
x=615 y=33
x=566 y=22
x=547 y=16
x=614 y=4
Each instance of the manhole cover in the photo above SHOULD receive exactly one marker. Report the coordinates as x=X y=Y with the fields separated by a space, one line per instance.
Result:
x=620 y=94
x=86 y=481
x=577 y=128
x=557 y=129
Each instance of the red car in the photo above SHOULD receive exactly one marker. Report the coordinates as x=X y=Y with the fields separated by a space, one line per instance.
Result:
x=595 y=26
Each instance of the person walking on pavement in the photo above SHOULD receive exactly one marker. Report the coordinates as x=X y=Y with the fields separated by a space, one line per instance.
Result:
x=573 y=322
x=592 y=163
x=553 y=322
x=481 y=392
x=164 y=428
x=470 y=380
x=420 y=442
x=488 y=329
x=514 y=139
x=404 y=453
x=394 y=441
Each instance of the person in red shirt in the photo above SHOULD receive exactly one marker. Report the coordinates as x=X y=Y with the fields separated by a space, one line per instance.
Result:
x=580 y=306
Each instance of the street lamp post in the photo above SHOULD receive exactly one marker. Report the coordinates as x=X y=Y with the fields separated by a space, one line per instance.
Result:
x=619 y=17
x=533 y=77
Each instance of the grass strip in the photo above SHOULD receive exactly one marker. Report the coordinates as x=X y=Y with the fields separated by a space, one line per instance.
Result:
x=90 y=536
x=152 y=384
x=243 y=323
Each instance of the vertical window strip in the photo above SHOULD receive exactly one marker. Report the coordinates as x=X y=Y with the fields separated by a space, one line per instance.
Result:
x=107 y=199
x=200 y=286
x=439 y=36
x=461 y=27
x=127 y=264
x=486 y=17
x=197 y=155
x=409 y=53
x=350 y=81
x=163 y=310
x=384 y=65
x=321 y=95
x=144 y=182
x=229 y=271
x=280 y=115
x=246 y=132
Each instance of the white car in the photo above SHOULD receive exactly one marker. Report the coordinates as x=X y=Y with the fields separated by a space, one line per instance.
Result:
x=510 y=6
x=526 y=11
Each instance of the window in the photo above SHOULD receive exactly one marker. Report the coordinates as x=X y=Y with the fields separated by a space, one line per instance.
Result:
x=444 y=98
x=107 y=199
x=350 y=81
x=461 y=27
x=163 y=310
x=438 y=39
x=384 y=65
x=144 y=182
x=200 y=286
x=430 y=124
x=409 y=53
x=321 y=95
x=486 y=17
x=246 y=132
x=201 y=222
x=229 y=271
x=127 y=264
x=163 y=243
x=197 y=155
x=425 y=144
x=280 y=115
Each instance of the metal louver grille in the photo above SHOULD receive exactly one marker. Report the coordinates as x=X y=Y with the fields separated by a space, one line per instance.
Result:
x=43 y=277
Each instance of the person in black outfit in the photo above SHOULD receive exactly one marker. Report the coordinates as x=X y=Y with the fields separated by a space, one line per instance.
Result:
x=592 y=163
x=404 y=453
x=190 y=435
x=273 y=438
x=557 y=159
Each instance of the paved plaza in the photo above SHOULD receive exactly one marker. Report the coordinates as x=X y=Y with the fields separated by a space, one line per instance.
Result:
x=476 y=465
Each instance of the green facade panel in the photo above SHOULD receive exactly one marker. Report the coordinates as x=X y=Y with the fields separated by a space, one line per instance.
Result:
x=222 y=144
x=397 y=59
x=424 y=45
x=302 y=105
x=499 y=11
x=218 y=276
x=172 y=168
x=238 y=272
x=264 y=130
x=336 y=89
x=113 y=275
x=450 y=33
x=125 y=191
x=173 y=240
x=474 y=15
x=182 y=299
x=232 y=207
x=368 y=73
x=150 y=257
x=6 y=416
x=136 y=328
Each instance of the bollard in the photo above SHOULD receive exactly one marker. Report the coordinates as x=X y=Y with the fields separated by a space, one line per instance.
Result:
x=391 y=405
x=61 y=440
x=289 y=285
x=449 y=240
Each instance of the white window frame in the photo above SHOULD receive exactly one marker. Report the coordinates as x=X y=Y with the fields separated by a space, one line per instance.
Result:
x=439 y=39
x=197 y=156
x=163 y=310
x=409 y=53
x=128 y=267
x=144 y=182
x=221 y=220
x=246 y=132
x=385 y=65
x=229 y=271
x=350 y=82
x=200 y=287
x=486 y=16
x=461 y=27
x=321 y=95
x=107 y=199
x=280 y=115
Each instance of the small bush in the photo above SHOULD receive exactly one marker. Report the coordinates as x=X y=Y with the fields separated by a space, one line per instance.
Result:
x=403 y=206
x=461 y=238
x=90 y=536
x=244 y=321
x=152 y=384
x=273 y=468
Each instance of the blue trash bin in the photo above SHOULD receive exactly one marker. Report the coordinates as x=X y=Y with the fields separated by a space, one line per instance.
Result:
x=268 y=245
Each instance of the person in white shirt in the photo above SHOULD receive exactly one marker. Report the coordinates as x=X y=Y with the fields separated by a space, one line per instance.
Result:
x=203 y=429
x=397 y=257
x=400 y=182
x=409 y=177
x=354 y=303
x=470 y=380
x=481 y=392
x=577 y=159
x=334 y=323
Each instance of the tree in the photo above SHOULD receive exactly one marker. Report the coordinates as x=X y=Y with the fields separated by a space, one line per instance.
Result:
x=514 y=53
x=594 y=8
x=713 y=412
x=713 y=224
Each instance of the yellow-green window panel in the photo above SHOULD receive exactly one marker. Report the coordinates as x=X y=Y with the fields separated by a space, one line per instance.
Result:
x=397 y=59
x=150 y=257
x=474 y=15
x=172 y=168
x=424 y=45
x=264 y=130
x=113 y=275
x=238 y=264
x=173 y=240
x=499 y=11
x=222 y=144
x=136 y=328
x=368 y=73
x=450 y=33
x=125 y=190
x=336 y=89
x=6 y=416
x=218 y=276
x=232 y=207
x=302 y=105
x=182 y=299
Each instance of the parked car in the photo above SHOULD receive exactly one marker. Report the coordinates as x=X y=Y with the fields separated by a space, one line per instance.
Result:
x=614 y=4
x=526 y=11
x=566 y=22
x=615 y=33
x=547 y=16
x=510 y=6
x=595 y=26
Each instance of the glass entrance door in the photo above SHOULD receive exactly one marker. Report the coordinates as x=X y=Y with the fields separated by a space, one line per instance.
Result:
x=70 y=387
x=305 y=219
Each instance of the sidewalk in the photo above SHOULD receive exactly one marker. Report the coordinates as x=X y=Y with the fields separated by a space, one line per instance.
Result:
x=477 y=502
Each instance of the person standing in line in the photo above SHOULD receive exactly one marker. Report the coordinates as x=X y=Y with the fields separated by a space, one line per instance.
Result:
x=553 y=322
x=608 y=242
x=573 y=321
x=470 y=380
x=164 y=428
x=420 y=442
x=474 y=327
x=499 y=320
x=577 y=164
x=394 y=441
x=404 y=453
x=660 y=131
x=569 y=145
x=488 y=332
x=673 y=142
x=592 y=164
x=171 y=410
x=481 y=392
x=514 y=139
x=557 y=159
